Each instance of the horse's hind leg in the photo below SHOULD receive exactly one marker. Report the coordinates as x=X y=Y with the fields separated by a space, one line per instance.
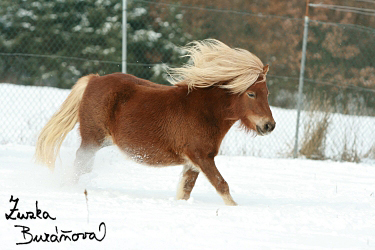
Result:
x=92 y=141
x=187 y=182
x=84 y=160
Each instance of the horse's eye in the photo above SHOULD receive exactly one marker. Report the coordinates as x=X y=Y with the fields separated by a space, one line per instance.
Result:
x=251 y=94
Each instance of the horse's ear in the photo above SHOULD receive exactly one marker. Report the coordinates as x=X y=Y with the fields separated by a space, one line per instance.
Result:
x=265 y=69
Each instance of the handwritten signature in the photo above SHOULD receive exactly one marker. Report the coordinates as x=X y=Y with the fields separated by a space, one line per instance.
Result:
x=39 y=214
x=66 y=235
x=59 y=236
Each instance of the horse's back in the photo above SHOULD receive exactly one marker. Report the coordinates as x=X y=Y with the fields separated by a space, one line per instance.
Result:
x=123 y=80
x=130 y=111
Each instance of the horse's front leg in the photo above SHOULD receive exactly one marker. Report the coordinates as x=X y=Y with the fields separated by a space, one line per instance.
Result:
x=208 y=167
x=187 y=182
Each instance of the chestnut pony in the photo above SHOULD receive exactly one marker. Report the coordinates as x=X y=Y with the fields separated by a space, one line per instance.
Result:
x=162 y=125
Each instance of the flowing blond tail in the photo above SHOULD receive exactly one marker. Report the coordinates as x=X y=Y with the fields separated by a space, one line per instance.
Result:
x=61 y=123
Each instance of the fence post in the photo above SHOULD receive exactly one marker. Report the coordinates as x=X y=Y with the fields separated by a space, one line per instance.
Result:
x=300 y=86
x=124 y=36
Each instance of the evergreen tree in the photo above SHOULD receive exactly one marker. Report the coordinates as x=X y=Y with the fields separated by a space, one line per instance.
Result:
x=53 y=43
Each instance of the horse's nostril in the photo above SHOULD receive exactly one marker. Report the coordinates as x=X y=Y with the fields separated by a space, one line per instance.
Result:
x=266 y=127
x=269 y=126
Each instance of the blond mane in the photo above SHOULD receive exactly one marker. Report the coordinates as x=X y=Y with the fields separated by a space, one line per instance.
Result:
x=214 y=63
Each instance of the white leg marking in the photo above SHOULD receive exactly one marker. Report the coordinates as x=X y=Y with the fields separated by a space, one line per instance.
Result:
x=181 y=194
x=228 y=200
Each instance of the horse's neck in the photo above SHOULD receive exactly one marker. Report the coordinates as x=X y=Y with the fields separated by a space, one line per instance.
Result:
x=216 y=103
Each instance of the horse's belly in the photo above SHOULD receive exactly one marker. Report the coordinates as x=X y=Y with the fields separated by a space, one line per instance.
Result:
x=154 y=158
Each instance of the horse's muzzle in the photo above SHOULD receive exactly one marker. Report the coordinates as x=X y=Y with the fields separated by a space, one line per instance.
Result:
x=266 y=128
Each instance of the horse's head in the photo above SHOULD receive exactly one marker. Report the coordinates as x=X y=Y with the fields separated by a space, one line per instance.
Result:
x=238 y=71
x=254 y=110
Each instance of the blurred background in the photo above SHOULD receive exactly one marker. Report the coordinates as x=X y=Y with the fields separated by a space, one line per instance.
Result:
x=51 y=44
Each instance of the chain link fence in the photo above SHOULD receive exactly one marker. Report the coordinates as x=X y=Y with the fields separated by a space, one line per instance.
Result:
x=45 y=46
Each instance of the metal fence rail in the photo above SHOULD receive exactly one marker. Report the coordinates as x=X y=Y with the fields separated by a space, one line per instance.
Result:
x=52 y=44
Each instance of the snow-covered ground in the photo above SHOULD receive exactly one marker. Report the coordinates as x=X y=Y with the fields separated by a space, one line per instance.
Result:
x=283 y=204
